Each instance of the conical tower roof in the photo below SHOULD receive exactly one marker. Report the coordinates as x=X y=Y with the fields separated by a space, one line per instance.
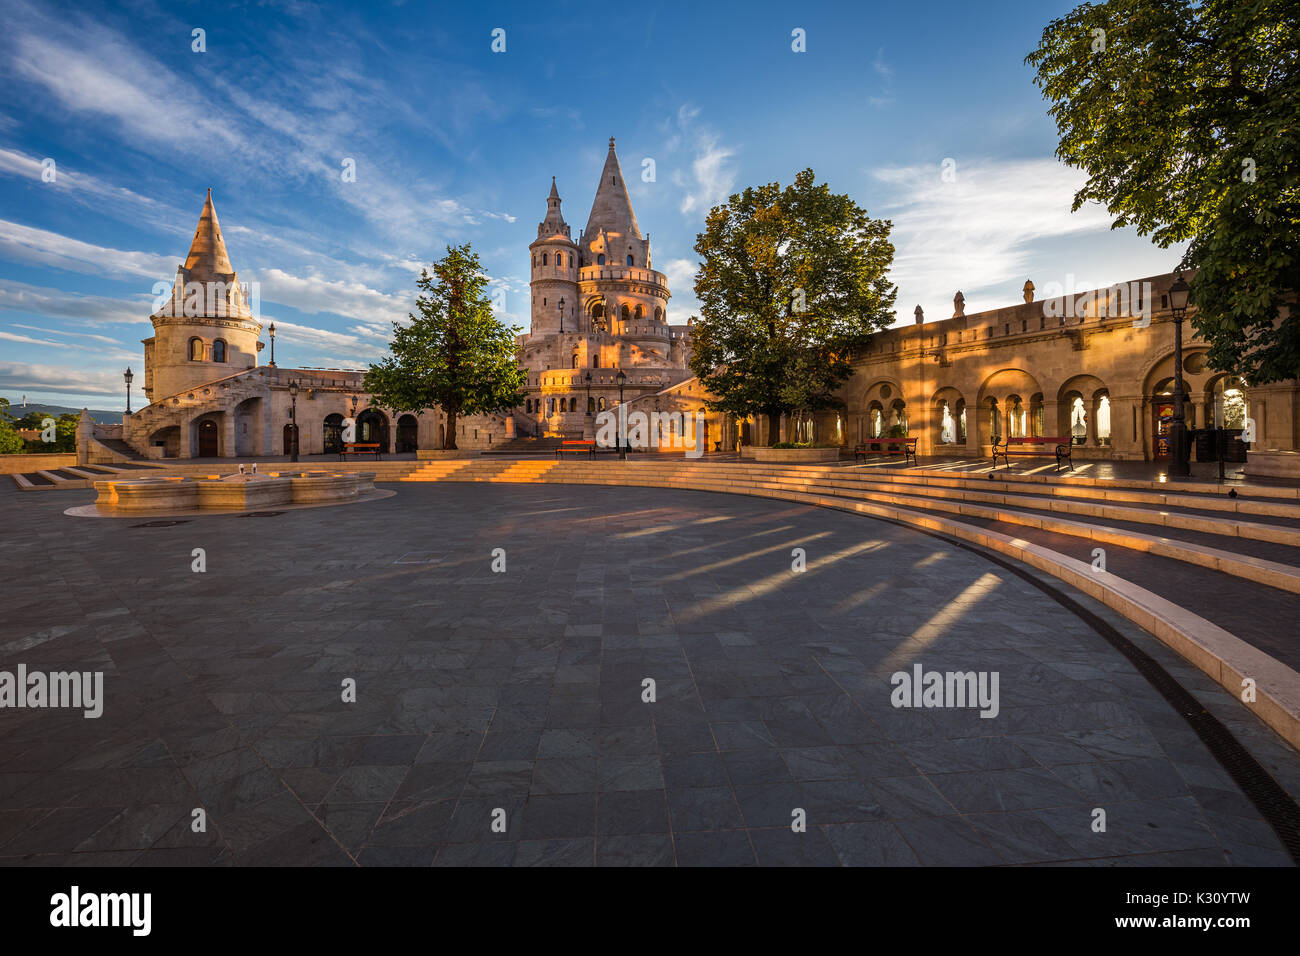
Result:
x=208 y=259
x=612 y=209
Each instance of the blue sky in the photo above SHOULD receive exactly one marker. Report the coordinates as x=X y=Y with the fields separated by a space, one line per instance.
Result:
x=453 y=142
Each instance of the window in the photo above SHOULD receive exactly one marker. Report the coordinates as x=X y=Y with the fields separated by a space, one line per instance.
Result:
x=659 y=314
x=639 y=313
x=595 y=360
x=196 y=350
x=629 y=260
x=625 y=314
x=600 y=259
x=575 y=359
x=559 y=258
x=877 y=420
x=543 y=258
x=219 y=350
x=947 y=425
x=961 y=421
x=1103 y=420
x=995 y=422
x=1078 y=420
x=1015 y=417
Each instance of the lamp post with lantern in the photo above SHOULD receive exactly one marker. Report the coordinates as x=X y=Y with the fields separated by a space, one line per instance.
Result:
x=293 y=418
x=621 y=378
x=128 y=376
x=271 y=331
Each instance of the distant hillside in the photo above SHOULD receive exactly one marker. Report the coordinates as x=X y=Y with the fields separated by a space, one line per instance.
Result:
x=99 y=415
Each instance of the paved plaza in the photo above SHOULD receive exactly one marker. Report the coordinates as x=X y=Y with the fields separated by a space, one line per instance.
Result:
x=500 y=716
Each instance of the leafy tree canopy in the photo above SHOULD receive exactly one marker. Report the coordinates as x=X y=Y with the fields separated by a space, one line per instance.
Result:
x=792 y=281
x=454 y=354
x=1186 y=118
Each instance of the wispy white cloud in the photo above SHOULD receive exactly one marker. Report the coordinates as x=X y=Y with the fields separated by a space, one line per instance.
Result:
x=41 y=247
x=55 y=303
x=315 y=294
x=978 y=232
x=63 y=379
x=712 y=176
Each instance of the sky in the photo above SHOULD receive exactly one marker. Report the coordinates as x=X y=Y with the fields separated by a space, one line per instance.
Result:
x=113 y=125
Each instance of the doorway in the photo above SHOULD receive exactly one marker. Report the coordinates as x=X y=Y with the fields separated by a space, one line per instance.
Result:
x=208 y=439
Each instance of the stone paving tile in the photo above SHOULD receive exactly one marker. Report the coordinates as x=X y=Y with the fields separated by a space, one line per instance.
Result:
x=773 y=695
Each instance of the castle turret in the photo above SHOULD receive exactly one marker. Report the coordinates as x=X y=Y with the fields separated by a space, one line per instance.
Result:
x=205 y=329
x=554 y=284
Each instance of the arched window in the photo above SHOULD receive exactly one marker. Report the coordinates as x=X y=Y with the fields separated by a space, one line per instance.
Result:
x=625 y=314
x=543 y=258
x=877 y=420
x=573 y=404
x=575 y=359
x=1036 y=414
x=639 y=313
x=196 y=350
x=659 y=314
x=995 y=422
x=947 y=424
x=1078 y=420
x=1229 y=403
x=559 y=259
x=898 y=419
x=1015 y=417
x=600 y=259
x=219 y=350
x=961 y=421
x=1103 y=419
x=591 y=404
x=629 y=260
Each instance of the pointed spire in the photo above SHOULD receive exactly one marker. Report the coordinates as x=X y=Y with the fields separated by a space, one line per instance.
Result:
x=612 y=208
x=555 y=193
x=208 y=258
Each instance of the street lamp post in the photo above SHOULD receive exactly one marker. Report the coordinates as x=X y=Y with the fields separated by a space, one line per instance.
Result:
x=293 y=417
x=128 y=376
x=561 y=316
x=621 y=378
x=271 y=330
x=1179 y=293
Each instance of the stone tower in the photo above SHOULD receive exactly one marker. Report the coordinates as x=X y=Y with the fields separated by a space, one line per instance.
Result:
x=554 y=272
x=205 y=330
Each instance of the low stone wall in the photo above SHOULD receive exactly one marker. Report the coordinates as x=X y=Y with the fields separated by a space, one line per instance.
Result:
x=763 y=453
x=18 y=464
x=1272 y=464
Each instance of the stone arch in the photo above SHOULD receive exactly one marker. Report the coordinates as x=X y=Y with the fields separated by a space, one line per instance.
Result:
x=206 y=436
x=947 y=426
x=169 y=437
x=408 y=432
x=196 y=349
x=332 y=434
x=372 y=426
x=997 y=403
x=248 y=427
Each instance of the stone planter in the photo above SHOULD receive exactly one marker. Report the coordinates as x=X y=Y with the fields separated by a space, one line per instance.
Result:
x=803 y=455
x=747 y=451
x=142 y=495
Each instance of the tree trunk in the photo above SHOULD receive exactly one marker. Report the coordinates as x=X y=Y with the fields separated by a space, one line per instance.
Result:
x=450 y=443
x=773 y=427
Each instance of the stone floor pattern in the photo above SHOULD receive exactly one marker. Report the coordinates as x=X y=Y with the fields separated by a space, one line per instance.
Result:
x=521 y=691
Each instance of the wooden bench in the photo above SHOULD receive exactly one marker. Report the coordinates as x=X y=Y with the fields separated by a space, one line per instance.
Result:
x=1034 y=446
x=360 y=448
x=576 y=446
x=886 y=446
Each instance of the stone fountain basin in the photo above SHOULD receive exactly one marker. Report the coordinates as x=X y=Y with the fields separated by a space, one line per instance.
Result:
x=232 y=492
x=148 y=494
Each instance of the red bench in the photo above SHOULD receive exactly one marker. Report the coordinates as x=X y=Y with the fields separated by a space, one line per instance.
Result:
x=576 y=446
x=360 y=448
x=891 y=446
x=1034 y=446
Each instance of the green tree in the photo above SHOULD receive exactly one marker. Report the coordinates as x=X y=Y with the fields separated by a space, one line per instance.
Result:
x=1186 y=118
x=454 y=354
x=10 y=442
x=792 y=281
